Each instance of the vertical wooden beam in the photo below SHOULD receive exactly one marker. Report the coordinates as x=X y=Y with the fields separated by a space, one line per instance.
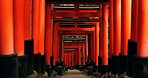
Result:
x=142 y=42
x=19 y=15
x=55 y=44
x=97 y=43
x=125 y=25
x=105 y=35
x=79 y=55
x=48 y=33
x=35 y=25
x=27 y=21
x=134 y=20
x=83 y=52
x=94 y=48
x=117 y=27
x=111 y=29
x=100 y=54
x=86 y=44
x=6 y=27
x=41 y=26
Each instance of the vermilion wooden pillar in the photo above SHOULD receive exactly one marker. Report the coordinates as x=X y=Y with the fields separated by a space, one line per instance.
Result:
x=72 y=57
x=19 y=27
x=132 y=43
x=19 y=18
x=125 y=25
x=142 y=43
x=105 y=39
x=64 y=59
x=69 y=64
x=67 y=60
x=8 y=59
x=97 y=43
x=117 y=27
x=94 y=48
x=100 y=54
x=35 y=34
x=76 y=57
x=134 y=20
x=42 y=33
x=79 y=55
x=35 y=25
x=141 y=60
x=83 y=52
x=41 y=26
x=62 y=47
x=111 y=34
x=86 y=44
x=100 y=43
x=56 y=54
x=111 y=29
x=48 y=33
x=27 y=21
x=125 y=33
x=6 y=27
x=117 y=35
x=28 y=37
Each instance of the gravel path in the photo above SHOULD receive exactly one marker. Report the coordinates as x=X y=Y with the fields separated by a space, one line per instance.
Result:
x=75 y=74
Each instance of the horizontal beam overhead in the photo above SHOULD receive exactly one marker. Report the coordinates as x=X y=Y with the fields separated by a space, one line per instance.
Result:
x=78 y=0
x=75 y=14
x=72 y=24
x=75 y=20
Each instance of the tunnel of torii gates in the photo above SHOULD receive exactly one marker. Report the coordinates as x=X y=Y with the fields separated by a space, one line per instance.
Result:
x=72 y=55
x=31 y=37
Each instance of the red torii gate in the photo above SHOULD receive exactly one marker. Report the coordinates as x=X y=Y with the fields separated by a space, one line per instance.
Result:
x=75 y=45
x=77 y=13
x=77 y=53
x=49 y=27
x=75 y=29
x=67 y=60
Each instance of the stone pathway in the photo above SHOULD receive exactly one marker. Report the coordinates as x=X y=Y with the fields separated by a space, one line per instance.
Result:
x=74 y=74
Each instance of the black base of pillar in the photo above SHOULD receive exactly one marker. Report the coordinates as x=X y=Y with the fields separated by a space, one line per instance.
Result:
x=43 y=64
x=109 y=64
x=80 y=67
x=104 y=69
x=84 y=67
x=66 y=68
x=115 y=64
x=59 y=67
x=132 y=50
x=99 y=63
x=37 y=62
x=8 y=66
x=54 y=68
x=72 y=67
x=22 y=66
x=140 y=67
x=76 y=66
x=51 y=61
x=59 y=70
x=30 y=56
x=90 y=70
x=122 y=64
x=49 y=69
x=96 y=68
x=99 y=60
